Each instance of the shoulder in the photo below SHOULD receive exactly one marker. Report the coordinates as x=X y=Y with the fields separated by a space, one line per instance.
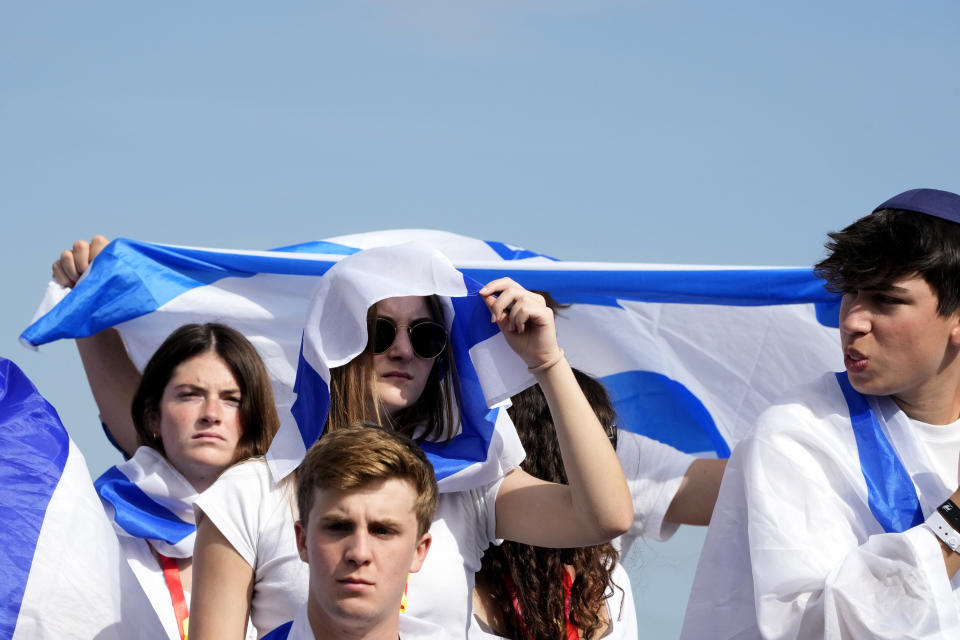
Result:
x=805 y=435
x=815 y=407
x=242 y=490
x=249 y=475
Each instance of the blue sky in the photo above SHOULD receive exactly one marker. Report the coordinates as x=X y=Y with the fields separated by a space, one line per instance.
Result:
x=686 y=132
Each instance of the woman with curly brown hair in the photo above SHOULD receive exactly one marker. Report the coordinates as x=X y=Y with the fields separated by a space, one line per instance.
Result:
x=532 y=593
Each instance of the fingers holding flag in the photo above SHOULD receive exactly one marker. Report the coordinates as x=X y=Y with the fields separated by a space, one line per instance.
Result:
x=74 y=262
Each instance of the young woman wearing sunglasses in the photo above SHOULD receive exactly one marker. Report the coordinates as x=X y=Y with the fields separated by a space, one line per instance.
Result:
x=406 y=379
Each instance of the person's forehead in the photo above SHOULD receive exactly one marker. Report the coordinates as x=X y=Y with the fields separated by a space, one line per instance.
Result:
x=404 y=307
x=393 y=498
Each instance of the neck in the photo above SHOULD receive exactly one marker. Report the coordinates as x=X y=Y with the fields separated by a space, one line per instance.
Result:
x=326 y=628
x=934 y=404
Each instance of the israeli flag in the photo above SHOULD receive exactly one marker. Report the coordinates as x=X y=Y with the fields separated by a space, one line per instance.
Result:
x=691 y=355
x=61 y=567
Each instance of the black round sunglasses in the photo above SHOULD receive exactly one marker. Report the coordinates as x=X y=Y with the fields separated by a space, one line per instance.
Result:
x=428 y=338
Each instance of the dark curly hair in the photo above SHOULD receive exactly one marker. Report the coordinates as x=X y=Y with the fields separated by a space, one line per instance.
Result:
x=890 y=244
x=538 y=572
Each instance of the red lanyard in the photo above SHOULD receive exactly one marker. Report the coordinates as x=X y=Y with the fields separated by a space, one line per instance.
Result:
x=572 y=632
x=171 y=573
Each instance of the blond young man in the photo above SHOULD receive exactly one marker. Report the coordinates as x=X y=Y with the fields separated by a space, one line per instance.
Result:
x=366 y=499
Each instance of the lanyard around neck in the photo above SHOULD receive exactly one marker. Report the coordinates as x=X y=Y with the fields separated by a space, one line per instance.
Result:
x=171 y=573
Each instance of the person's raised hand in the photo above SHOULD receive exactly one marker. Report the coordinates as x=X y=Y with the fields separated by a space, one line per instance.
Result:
x=74 y=262
x=525 y=320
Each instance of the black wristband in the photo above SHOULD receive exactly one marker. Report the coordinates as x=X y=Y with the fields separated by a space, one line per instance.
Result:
x=950 y=513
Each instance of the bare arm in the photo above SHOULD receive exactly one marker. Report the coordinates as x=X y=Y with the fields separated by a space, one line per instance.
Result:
x=694 y=500
x=112 y=377
x=222 y=586
x=113 y=381
x=596 y=506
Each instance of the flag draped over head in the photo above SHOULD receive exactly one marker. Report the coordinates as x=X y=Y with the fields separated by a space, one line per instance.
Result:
x=691 y=355
x=62 y=572
x=336 y=332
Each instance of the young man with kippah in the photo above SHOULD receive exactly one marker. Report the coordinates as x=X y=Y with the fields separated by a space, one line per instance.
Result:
x=837 y=516
x=366 y=499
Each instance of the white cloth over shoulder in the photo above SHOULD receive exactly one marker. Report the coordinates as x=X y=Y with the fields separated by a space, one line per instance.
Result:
x=256 y=516
x=794 y=550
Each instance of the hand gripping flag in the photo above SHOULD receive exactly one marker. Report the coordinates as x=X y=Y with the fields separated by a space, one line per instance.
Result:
x=691 y=355
x=62 y=572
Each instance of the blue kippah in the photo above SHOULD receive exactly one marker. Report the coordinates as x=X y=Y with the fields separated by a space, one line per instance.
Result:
x=932 y=202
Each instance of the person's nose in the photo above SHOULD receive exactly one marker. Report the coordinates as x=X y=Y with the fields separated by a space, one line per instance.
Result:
x=212 y=412
x=401 y=349
x=358 y=548
x=854 y=315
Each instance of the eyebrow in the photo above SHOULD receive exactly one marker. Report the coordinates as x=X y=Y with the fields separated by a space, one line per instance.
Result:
x=414 y=321
x=335 y=518
x=190 y=385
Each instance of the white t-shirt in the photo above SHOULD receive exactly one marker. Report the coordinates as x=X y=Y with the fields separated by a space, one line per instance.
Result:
x=654 y=472
x=257 y=516
x=794 y=549
x=409 y=628
x=942 y=444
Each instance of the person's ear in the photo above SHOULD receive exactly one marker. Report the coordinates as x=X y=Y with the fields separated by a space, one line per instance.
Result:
x=301 y=532
x=955 y=329
x=420 y=553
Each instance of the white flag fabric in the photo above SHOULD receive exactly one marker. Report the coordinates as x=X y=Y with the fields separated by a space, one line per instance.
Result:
x=63 y=574
x=691 y=355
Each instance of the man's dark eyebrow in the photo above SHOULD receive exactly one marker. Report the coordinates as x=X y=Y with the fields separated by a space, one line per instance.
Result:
x=892 y=288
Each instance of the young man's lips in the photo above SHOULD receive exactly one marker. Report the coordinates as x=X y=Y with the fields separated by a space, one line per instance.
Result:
x=354 y=583
x=854 y=361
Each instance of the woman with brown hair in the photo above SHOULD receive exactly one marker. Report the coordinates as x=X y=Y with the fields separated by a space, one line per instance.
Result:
x=202 y=403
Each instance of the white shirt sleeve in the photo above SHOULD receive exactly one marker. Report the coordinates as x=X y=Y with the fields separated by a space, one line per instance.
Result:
x=233 y=503
x=794 y=551
x=256 y=516
x=654 y=472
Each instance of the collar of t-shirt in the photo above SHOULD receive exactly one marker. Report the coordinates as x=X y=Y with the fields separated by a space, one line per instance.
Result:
x=942 y=442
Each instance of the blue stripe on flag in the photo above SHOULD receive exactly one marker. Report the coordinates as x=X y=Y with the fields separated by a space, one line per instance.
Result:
x=138 y=513
x=828 y=314
x=280 y=633
x=507 y=252
x=312 y=403
x=130 y=279
x=33 y=451
x=320 y=246
x=656 y=406
x=471 y=325
x=890 y=491
x=738 y=287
